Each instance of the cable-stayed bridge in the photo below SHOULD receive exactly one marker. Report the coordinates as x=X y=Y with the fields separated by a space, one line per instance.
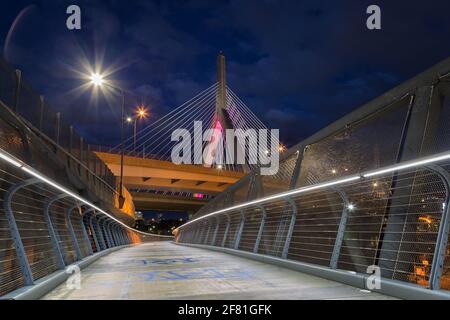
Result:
x=149 y=173
x=367 y=197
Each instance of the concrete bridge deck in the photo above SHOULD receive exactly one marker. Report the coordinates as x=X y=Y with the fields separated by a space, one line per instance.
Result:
x=164 y=270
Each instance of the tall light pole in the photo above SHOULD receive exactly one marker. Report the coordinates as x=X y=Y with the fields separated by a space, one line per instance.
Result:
x=141 y=113
x=98 y=80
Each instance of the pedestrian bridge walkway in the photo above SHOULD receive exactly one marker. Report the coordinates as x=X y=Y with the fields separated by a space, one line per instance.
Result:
x=164 y=270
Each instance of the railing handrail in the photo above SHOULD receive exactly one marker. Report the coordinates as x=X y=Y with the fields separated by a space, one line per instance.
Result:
x=50 y=140
x=4 y=155
x=323 y=185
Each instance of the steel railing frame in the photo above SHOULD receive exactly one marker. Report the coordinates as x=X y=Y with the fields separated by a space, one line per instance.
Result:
x=97 y=219
x=430 y=164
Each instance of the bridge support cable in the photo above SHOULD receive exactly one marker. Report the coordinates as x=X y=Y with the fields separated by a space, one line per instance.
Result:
x=53 y=235
x=159 y=132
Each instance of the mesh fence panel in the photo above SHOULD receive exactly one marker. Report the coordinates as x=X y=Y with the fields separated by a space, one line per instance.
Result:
x=316 y=226
x=279 y=182
x=76 y=220
x=58 y=217
x=369 y=144
x=252 y=223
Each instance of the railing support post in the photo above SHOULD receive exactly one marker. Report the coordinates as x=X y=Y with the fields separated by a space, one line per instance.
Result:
x=207 y=233
x=261 y=229
x=17 y=88
x=53 y=236
x=72 y=232
x=86 y=236
x=102 y=223
x=108 y=228
x=239 y=233
x=213 y=240
x=225 y=234
x=97 y=233
x=341 y=229
x=14 y=230
x=442 y=237
x=291 y=228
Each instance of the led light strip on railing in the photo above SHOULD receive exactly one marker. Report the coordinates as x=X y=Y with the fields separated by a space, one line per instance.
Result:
x=19 y=164
x=394 y=168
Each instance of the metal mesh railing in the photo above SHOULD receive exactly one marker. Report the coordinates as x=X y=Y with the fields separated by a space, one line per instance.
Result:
x=392 y=219
x=20 y=97
x=45 y=227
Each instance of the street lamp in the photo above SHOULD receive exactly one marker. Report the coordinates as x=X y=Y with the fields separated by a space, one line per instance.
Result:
x=141 y=113
x=98 y=80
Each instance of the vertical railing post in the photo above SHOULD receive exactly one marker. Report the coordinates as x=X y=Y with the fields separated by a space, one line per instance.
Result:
x=207 y=233
x=57 y=126
x=239 y=233
x=18 y=75
x=41 y=112
x=440 y=248
x=225 y=234
x=341 y=229
x=114 y=241
x=297 y=169
x=14 y=230
x=51 y=230
x=95 y=231
x=85 y=233
x=291 y=228
x=216 y=229
x=260 y=230
x=105 y=233
x=72 y=232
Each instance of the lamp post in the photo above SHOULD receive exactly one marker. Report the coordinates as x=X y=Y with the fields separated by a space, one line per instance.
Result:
x=141 y=113
x=98 y=81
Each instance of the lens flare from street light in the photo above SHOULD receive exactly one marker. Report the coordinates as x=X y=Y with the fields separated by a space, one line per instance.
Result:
x=141 y=112
x=97 y=79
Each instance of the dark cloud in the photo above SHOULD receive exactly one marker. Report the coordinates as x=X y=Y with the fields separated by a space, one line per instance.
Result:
x=298 y=65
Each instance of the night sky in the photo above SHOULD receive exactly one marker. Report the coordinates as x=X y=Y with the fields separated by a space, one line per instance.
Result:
x=299 y=65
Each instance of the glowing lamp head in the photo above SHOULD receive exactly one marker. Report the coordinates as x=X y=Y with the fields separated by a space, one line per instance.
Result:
x=351 y=207
x=141 y=112
x=129 y=119
x=97 y=79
